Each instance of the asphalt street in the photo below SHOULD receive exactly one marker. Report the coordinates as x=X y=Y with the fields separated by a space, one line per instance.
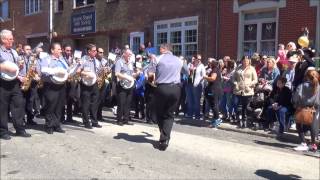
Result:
x=130 y=152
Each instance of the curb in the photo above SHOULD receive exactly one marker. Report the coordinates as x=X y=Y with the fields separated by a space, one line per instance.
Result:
x=246 y=131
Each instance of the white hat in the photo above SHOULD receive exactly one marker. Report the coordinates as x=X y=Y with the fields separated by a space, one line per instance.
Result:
x=138 y=65
x=293 y=58
x=138 y=56
x=310 y=69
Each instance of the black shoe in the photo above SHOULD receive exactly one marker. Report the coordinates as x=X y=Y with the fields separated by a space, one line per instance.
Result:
x=31 y=122
x=120 y=123
x=59 y=130
x=88 y=126
x=49 y=130
x=96 y=125
x=163 y=145
x=23 y=134
x=127 y=123
x=149 y=122
x=5 y=137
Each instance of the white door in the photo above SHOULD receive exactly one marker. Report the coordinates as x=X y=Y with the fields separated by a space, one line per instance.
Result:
x=136 y=38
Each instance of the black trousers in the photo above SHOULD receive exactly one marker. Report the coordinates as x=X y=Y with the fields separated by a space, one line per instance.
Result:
x=150 y=103
x=139 y=105
x=54 y=101
x=73 y=98
x=89 y=103
x=11 y=100
x=167 y=96
x=124 y=98
x=213 y=102
x=101 y=100
x=31 y=96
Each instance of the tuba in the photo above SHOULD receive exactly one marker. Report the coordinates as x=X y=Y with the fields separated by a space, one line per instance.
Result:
x=303 y=40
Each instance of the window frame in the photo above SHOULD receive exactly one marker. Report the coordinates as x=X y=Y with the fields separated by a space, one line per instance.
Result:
x=28 y=12
x=8 y=10
x=86 y=4
x=259 y=22
x=169 y=26
x=56 y=6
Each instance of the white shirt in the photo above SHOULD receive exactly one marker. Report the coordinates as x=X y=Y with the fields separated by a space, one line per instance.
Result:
x=200 y=71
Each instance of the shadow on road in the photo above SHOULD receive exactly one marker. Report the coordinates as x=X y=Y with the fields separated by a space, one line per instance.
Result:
x=278 y=145
x=274 y=175
x=137 y=138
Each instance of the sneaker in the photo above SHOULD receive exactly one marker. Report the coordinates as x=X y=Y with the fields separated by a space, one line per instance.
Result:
x=302 y=147
x=216 y=122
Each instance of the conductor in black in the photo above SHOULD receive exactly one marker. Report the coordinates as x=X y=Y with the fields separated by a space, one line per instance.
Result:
x=167 y=68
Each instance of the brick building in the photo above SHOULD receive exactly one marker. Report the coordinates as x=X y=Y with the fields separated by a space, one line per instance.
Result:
x=28 y=19
x=259 y=25
x=188 y=25
x=210 y=27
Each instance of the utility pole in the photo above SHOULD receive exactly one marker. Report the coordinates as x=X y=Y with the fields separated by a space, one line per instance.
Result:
x=50 y=20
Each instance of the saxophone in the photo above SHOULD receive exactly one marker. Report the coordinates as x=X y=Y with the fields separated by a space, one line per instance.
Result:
x=102 y=76
x=31 y=74
x=77 y=76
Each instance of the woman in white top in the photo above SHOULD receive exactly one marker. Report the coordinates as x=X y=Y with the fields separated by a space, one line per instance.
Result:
x=195 y=87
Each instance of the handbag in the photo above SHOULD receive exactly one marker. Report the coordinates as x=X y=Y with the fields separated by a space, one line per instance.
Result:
x=304 y=115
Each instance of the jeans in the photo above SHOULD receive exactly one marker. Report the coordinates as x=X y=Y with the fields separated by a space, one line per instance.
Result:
x=226 y=104
x=280 y=116
x=193 y=100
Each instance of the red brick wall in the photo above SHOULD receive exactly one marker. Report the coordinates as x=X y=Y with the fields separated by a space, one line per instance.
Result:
x=296 y=15
x=25 y=25
x=228 y=30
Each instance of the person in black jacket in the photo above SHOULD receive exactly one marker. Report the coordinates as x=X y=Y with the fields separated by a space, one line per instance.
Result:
x=305 y=60
x=280 y=103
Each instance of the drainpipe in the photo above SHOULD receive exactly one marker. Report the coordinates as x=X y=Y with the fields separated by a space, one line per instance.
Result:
x=217 y=29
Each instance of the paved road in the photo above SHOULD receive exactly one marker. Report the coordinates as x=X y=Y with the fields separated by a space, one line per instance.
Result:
x=130 y=152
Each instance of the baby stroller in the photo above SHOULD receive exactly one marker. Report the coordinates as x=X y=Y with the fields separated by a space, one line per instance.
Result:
x=257 y=105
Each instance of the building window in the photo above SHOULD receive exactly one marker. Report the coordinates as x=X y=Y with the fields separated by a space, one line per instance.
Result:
x=259 y=33
x=181 y=33
x=32 y=6
x=81 y=3
x=58 y=5
x=4 y=9
x=111 y=1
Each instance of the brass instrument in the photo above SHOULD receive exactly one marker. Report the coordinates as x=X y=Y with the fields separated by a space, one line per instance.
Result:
x=30 y=75
x=77 y=76
x=102 y=76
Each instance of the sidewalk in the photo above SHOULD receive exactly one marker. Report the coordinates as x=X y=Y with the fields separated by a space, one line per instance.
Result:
x=291 y=135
